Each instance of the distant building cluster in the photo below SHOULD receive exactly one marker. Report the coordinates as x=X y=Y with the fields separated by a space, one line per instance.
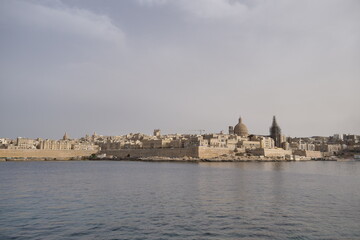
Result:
x=238 y=140
x=48 y=144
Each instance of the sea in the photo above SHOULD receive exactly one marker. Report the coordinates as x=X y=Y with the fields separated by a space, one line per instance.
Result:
x=166 y=200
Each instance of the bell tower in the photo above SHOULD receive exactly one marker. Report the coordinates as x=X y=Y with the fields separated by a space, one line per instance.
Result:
x=275 y=132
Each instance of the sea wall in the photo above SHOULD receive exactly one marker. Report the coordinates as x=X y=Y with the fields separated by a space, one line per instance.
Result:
x=155 y=152
x=311 y=154
x=41 y=154
x=194 y=152
x=277 y=152
x=209 y=152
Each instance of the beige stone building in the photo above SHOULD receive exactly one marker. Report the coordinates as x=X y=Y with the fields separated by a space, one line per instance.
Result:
x=249 y=144
x=55 y=144
x=265 y=142
x=85 y=147
x=330 y=149
x=23 y=143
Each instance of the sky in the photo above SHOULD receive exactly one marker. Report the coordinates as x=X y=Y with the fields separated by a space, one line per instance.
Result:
x=118 y=67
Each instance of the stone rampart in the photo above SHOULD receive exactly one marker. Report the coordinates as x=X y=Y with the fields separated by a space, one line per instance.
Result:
x=278 y=152
x=209 y=152
x=154 y=152
x=194 y=152
x=40 y=153
x=274 y=152
x=311 y=154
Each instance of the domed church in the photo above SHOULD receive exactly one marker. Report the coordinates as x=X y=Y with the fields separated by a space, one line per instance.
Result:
x=240 y=129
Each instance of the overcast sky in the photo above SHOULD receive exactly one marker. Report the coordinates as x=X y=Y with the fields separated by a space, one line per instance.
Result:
x=117 y=67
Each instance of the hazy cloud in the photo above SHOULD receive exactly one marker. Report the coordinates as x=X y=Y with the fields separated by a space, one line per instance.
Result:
x=126 y=66
x=63 y=20
x=205 y=8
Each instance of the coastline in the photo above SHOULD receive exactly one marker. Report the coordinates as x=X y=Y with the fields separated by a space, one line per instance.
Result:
x=180 y=159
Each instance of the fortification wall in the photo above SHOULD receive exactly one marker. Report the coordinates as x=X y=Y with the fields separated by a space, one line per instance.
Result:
x=208 y=152
x=311 y=154
x=277 y=152
x=40 y=153
x=195 y=152
x=156 y=152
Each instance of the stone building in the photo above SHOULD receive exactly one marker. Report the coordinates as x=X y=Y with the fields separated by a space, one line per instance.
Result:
x=249 y=144
x=157 y=133
x=232 y=141
x=265 y=142
x=231 y=130
x=155 y=143
x=330 y=149
x=55 y=144
x=111 y=145
x=85 y=146
x=23 y=143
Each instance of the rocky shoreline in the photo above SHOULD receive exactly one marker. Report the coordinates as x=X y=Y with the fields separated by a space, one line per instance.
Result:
x=223 y=159
x=229 y=158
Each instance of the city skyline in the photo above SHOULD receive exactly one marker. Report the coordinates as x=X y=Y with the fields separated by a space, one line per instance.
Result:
x=230 y=131
x=117 y=67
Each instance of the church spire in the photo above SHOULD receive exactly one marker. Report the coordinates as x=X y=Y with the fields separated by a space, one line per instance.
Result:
x=275 y=132
x=65 y=137
x=274 y=123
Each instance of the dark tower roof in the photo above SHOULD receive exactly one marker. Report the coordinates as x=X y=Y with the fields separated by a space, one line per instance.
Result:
x=275 y=127
x=274 y=123
x=275 y=132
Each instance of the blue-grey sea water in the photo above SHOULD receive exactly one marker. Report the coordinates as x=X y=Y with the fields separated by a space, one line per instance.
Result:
x=153 y=200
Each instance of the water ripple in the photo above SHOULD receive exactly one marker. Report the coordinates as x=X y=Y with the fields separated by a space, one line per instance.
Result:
x=134 y=200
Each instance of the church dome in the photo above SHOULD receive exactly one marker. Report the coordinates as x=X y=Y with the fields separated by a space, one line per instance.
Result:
x=240 y=129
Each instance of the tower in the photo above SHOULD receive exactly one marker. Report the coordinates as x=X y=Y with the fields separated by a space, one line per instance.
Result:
x=65 y=137
x=157 y=133
x=231 y=130
x=94 y=136
x=275 y=132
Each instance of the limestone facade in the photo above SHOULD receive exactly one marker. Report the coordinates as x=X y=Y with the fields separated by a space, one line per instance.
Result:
x=55 y=145
x=276 y=152
x=306 y=153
